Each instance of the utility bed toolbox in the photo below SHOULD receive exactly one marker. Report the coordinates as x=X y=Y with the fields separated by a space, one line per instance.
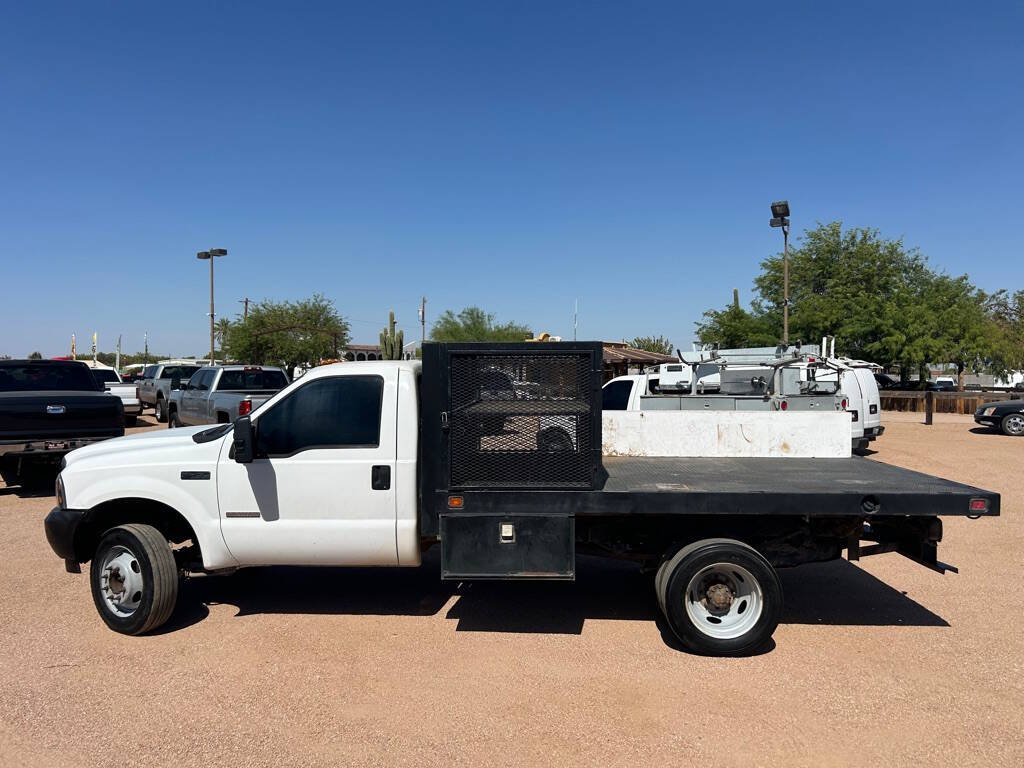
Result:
x=507 y=546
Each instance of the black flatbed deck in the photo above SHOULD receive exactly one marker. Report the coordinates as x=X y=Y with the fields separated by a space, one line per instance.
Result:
x=782 y=486
x=747 y=486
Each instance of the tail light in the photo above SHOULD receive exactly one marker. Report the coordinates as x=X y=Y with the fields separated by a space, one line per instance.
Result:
x=783 y=405
x=245 y=408
x=845 y=404
x=136 y=393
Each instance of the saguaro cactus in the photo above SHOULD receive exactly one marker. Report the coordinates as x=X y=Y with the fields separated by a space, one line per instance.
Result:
x=391 y=342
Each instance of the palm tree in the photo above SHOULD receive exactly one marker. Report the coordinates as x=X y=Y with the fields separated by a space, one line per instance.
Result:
x=222 y=330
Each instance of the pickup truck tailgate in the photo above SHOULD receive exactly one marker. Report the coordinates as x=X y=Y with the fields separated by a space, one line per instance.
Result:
x=60 y=415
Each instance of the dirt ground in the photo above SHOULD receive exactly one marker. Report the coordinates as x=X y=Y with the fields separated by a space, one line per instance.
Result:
x=877 y=663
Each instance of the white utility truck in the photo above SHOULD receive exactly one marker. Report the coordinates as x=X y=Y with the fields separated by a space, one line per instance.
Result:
x=368 y=464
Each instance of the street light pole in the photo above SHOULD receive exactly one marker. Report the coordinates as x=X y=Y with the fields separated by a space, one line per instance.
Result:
x=780 y=218
x=785 y=283
x=210 y=255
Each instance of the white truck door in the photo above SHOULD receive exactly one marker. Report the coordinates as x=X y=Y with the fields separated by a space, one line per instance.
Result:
x=321 y=489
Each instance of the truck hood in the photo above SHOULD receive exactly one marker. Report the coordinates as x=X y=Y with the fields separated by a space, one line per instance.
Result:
x=135 y=449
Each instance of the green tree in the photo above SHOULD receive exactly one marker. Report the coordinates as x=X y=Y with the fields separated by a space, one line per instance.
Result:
x=288 y=333
x=221 y=329
x=735 y=327
x=473 y=324
x=657 y=344
x=36 y=356
x=879 y=298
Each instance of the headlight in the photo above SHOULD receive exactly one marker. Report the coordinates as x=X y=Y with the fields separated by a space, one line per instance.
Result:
x=59 y=492
x=988 y=411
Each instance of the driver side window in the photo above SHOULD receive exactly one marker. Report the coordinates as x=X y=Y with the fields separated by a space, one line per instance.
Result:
x=335 y=412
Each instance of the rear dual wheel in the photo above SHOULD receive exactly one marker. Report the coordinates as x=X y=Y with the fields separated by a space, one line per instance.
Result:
x=720 y=597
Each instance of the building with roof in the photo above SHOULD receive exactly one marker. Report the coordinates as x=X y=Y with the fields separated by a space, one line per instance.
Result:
x=621 y=359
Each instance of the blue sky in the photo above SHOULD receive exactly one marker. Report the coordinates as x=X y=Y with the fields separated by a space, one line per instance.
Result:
x=514 y=155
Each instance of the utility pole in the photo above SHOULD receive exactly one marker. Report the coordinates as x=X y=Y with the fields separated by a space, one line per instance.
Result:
x=575 y=317
x=245 y=308
x=210 y=255
x=736 y=297
x=145 y=347
x=423 y=321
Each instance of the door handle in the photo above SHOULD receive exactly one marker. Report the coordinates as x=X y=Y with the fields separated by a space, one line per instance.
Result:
x=380 y=477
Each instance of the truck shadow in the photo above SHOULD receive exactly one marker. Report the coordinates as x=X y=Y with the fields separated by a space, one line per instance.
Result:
x=834 y=593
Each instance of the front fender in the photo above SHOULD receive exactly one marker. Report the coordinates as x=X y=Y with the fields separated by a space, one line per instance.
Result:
x=195 y=500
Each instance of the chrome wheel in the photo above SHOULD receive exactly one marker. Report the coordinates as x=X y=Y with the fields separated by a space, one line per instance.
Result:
x=121 y=581
x=1014 y=424
x=724 y=601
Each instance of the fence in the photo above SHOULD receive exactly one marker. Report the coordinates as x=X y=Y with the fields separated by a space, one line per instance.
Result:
x=942 y=402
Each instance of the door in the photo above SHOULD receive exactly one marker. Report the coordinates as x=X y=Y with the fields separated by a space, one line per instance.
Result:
x=321 y=488
x=190 y=397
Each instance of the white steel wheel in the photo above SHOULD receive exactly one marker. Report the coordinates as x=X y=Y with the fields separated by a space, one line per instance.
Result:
x=720 y=597
x=134 y=578
x=724 y=601
x=121 y=581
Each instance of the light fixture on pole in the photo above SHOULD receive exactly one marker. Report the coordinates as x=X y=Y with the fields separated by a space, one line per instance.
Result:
x=210 y=255
x=780 y=218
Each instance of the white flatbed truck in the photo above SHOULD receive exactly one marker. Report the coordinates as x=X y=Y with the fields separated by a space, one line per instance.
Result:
x=367 y=464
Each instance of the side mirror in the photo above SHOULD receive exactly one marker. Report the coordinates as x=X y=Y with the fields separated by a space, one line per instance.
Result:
x=176 y=382
x=244 y=440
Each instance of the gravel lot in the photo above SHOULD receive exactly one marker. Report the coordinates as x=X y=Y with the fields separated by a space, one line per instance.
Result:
x=878 y=663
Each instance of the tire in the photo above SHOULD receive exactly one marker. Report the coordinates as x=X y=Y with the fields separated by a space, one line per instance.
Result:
x=1013 y=424
x=173 y=420
x=149 y=590
x=554 y=440
x=130 y=421
x=161 y=410
x=751 y=603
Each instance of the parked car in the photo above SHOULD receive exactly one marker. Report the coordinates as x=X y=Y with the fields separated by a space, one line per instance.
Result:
x=109 y=379
x=132 y=373
x=941 y=384
x=1005 y=415
x=155 y=385
x=220 y=394
x=47 y=408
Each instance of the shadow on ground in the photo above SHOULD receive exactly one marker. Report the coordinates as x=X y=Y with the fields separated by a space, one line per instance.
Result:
x=837 y=593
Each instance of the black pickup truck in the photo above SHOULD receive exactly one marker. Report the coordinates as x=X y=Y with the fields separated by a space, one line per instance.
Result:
x=47 y=408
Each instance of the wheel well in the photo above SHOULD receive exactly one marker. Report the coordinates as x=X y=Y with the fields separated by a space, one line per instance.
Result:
x=110 y=514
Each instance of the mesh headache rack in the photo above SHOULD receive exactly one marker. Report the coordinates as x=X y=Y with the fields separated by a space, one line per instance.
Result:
x=519 y=415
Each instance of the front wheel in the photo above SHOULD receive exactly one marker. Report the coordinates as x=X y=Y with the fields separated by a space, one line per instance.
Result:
x=173 y=420
x=134 y=579
x=720 y=597
x=1013 y=424
x=161 y=410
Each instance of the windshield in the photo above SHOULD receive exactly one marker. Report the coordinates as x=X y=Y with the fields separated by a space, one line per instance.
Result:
x=252 y=380
x=34 y=377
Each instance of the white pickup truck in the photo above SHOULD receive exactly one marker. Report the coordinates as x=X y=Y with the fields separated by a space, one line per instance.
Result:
x=368 y=464
x=110 y=380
